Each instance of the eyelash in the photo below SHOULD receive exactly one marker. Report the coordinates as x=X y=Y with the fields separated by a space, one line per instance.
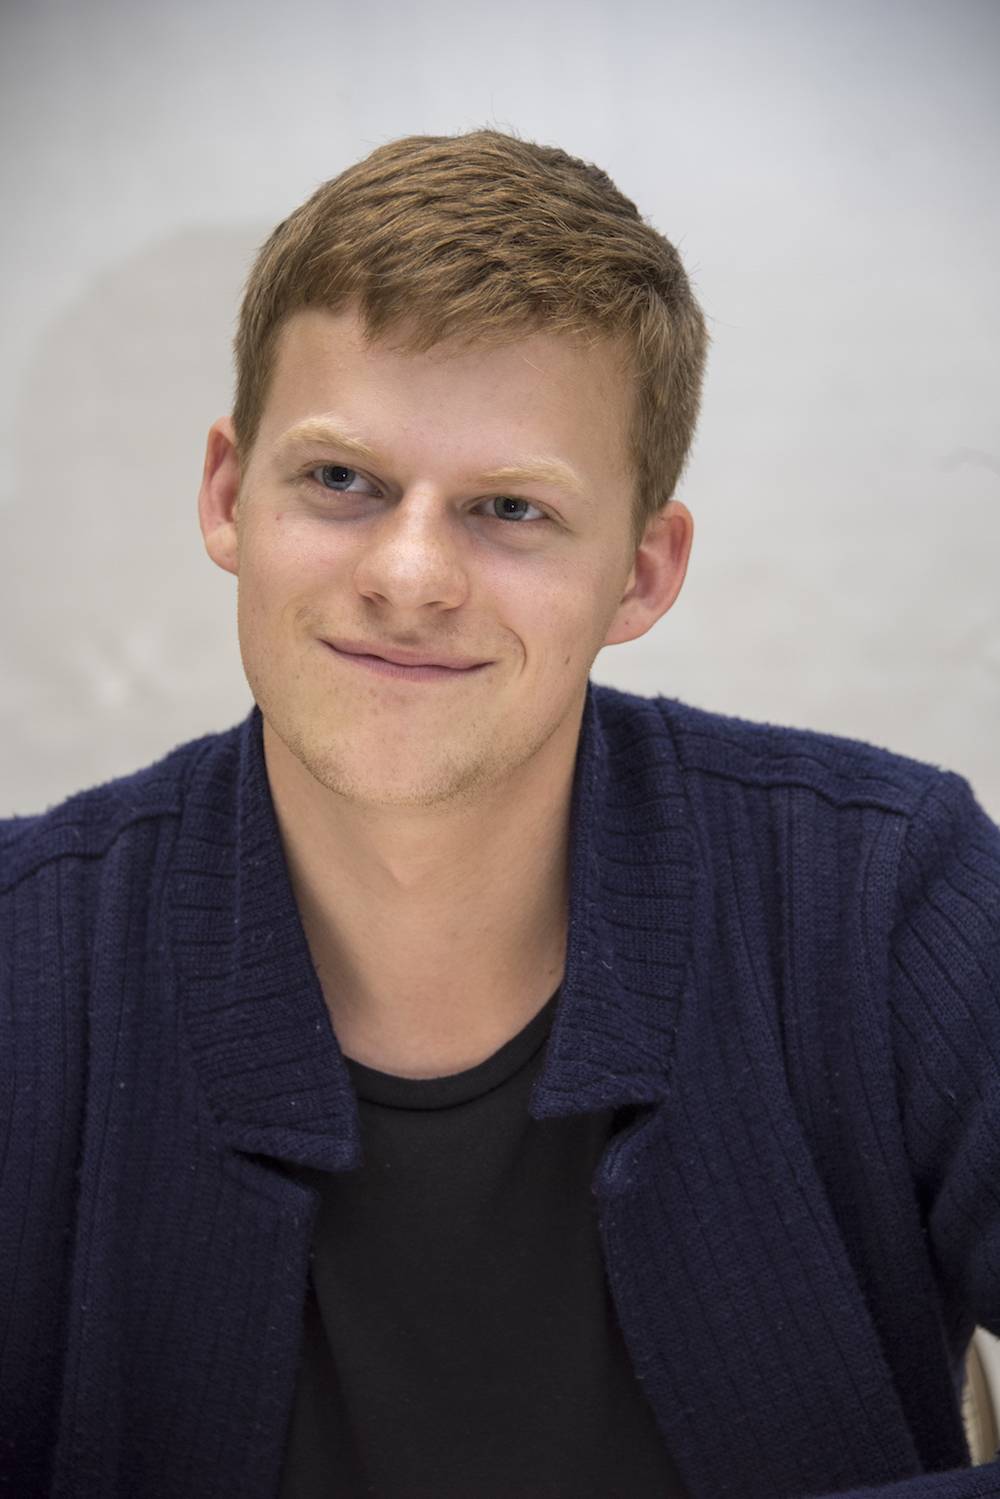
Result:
x=513 y=521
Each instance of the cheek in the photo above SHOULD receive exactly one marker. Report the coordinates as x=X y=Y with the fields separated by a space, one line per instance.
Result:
x=280 y=569
x=562 y=622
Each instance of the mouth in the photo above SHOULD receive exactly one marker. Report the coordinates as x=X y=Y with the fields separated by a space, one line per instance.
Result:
x=378 y=666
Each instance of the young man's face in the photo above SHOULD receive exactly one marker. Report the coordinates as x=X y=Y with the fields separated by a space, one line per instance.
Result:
x=423 y=546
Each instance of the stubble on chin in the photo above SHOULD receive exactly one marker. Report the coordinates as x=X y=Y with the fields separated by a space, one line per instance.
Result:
x=378 y=768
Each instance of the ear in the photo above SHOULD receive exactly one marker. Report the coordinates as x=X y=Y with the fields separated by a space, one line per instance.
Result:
x=218 y=496
x=656 y=575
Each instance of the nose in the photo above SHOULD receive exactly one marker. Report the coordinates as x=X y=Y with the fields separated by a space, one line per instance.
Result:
x=410 y=557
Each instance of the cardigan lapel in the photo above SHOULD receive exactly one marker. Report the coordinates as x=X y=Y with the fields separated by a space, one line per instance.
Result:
x=258 y=1025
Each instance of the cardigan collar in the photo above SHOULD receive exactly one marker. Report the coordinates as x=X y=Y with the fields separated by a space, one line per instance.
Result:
x=259 y=1030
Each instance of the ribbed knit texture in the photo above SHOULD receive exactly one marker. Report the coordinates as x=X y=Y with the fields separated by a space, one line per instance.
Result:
x=783 y=962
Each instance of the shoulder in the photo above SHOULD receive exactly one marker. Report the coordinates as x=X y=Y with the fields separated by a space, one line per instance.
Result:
x=86 y=825
x=845 y=771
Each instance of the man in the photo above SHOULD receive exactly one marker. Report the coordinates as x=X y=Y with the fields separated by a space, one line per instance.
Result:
x=460 y=1079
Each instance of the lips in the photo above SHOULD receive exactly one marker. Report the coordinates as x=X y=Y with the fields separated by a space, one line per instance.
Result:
x=404 y=658
x=406 y=671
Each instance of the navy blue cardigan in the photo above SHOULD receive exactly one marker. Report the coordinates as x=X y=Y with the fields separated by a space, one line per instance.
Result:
x=783 y=953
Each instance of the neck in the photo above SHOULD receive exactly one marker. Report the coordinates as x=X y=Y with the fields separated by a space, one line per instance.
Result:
x=436 y=933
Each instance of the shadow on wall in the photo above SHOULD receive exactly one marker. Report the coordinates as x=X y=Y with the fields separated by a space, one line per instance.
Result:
x=121 y=630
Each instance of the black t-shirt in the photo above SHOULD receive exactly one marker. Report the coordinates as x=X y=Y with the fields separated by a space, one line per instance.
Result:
x=460 y=1340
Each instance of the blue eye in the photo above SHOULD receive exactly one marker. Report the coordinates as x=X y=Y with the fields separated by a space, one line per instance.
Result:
x=506 y=499
x=343 y=477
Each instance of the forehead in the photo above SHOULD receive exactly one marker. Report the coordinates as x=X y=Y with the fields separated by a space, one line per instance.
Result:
x=540 y=388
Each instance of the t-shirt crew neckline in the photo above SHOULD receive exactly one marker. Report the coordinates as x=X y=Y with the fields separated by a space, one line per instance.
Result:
x=458 y=1087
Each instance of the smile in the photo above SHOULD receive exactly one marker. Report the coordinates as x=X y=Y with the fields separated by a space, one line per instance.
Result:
x=382 y=668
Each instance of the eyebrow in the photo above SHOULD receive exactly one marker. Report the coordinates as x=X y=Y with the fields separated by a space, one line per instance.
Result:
x=322 y=433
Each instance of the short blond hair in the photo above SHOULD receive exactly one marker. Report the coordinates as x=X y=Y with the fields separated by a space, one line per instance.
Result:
x=485 y=237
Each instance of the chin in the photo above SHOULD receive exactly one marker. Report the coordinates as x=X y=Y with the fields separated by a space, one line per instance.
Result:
x=364 y=781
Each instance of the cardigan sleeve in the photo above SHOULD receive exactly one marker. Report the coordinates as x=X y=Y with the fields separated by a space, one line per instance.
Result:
x=945 y=998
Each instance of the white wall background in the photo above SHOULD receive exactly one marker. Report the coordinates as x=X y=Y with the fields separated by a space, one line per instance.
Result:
x=829 y=173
